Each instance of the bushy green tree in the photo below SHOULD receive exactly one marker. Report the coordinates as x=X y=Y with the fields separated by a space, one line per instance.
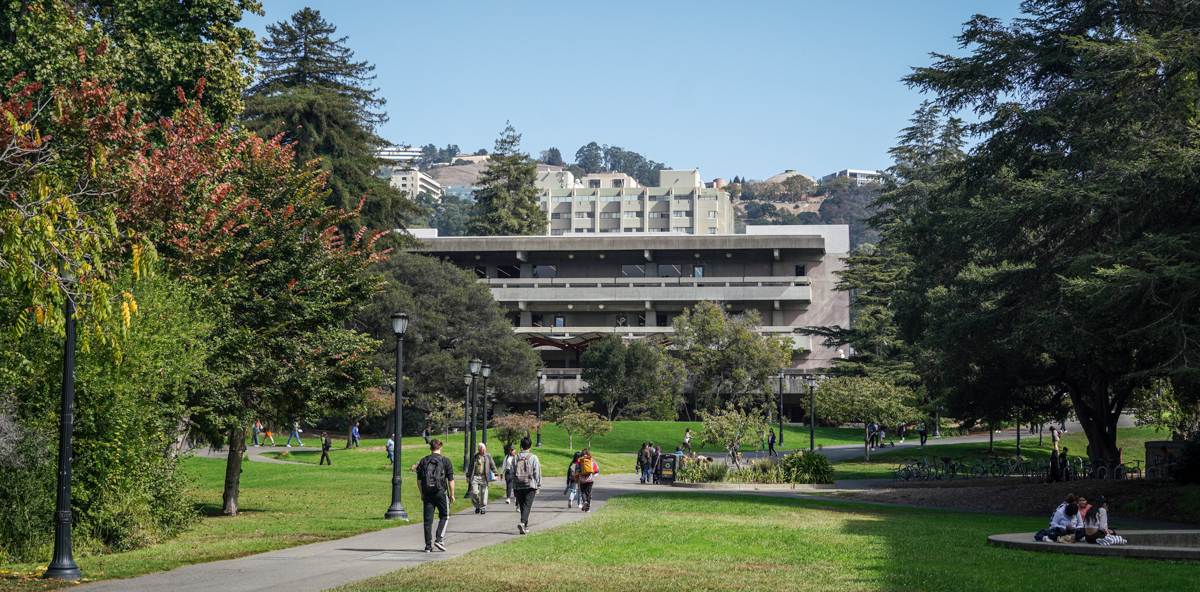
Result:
x=632 y=379
x=313 y=93
x=506 y=203
x=862 y=400
x=731 y=427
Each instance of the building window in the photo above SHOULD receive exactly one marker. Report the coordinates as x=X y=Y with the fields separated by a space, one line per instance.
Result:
x=680 y=229
x=480 y=271
x=654 y=230
x=557 y=231
x=663 y=320
x=801 y=270
x=537 y=320
x=712 y=230
x=633 y=271
x=698 y=271
x=631 y=230
x=556 y=216
x=670 y=270
x=622 y=321
x=545 y=271
x=508 y=271
x=641 y=319
x=712 y=214
x=632 y=214
x=516 y=320
x=560 y=321
x=618 y=183
x=593 y=183
x=579 y=215
x=656 y=214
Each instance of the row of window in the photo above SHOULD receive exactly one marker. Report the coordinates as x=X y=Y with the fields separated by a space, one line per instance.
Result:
x=631 y=270
x=621 y=320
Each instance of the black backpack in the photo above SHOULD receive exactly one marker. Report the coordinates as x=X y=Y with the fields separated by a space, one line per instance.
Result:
x=434 y=477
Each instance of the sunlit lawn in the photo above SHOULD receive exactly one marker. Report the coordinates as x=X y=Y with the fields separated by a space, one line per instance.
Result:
x=882 y=462
x=720 y=542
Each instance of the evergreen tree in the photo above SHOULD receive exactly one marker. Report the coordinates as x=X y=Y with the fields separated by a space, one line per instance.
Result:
x=315 y=95
x=506 y=204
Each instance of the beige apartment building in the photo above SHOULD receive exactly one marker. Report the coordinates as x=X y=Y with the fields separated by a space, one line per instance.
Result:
x=613 y=203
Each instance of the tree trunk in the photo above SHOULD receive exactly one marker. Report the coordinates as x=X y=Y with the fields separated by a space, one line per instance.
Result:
x=570 y=441
x=866 y=443
x=991 y=439
x=233 y=470
x=1098 y=416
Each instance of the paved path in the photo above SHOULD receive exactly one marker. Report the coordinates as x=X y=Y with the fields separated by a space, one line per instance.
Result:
x=255 y=453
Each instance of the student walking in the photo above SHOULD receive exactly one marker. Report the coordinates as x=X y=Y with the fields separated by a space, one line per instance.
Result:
x=428 y=432
x=354 y=435
x=506 y=468
x=295 y=434
x=480 y=472
x=257 y=432
x=643 y=462
x=1055 y=436
x=435 y=480
x=589 y=469
x=923 y=433
x=655 y=453
x=572 y=490
x=687 y=439
x=270 y=436
x=771 y=444
x=391 y=450
x=326 y=444
x=527 y=481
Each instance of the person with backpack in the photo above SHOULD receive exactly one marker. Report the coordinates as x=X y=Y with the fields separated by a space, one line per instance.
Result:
x=655 y=453
x=588 y=470
x=326 y=444
x=481 y=471
x=643 y=462
x=527 y=481
x=435 y=478
x=506 y=468
x=572 y=489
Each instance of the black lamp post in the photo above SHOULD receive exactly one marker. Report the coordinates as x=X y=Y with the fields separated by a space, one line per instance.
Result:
x=399 y=326
x=812 y=413
x=475 y=366
x=781 y=375
x=539 y=411
x=62 y=566
x=466 y=420
x=486 y=371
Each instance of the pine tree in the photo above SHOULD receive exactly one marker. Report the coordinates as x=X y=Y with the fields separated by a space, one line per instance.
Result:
x=506 y=204
x=315 y=95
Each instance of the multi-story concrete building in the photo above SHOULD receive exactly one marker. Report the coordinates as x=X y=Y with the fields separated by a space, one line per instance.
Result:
x=410 y=180
x=680 y=204
x=399 y=154
x=460 y=191
x=861 y=177
x=564 y=292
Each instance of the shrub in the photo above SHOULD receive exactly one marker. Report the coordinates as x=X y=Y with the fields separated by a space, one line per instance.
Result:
x=796 y=467
x=694 y=471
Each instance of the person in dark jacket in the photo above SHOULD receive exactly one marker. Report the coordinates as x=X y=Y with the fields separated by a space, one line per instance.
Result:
x=326 y=444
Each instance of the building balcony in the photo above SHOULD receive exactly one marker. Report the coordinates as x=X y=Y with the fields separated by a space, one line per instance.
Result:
x=663 y=289
x=571 y=335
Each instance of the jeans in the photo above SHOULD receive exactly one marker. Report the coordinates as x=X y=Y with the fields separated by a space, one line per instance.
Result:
x=295 y=435
x=508 y=489
x=646 y=472
x=391 y=457
x=479 y=492
x=525 y=503
x=440 y=502
x=254 y=441
x=924 y=437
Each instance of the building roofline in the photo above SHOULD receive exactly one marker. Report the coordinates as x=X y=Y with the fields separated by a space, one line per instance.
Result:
x=729 y=242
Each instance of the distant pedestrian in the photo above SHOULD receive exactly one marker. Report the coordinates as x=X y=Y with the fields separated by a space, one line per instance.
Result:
x=391 y=450
x=643 y=463
x=687 y=439
x=427 y=432
x=655 y=454
x=354 y=435
x=326 y=444
x=589 y=469
x=872 y=433
x=923 y=433
x=296 y=431
x=481 y=471
x=572 y=490
x=435 y=480
x=1055 y=436
x=506 y=469
x=771 y=444
x=527 y=481
x=257 y=429
x=270 y=436
x=901 y=430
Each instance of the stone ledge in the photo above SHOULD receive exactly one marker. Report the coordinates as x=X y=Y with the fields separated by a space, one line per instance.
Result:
x=757 y=486
x=1143 y=544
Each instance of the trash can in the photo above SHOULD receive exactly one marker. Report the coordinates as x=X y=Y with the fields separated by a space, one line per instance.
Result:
x=667 y=464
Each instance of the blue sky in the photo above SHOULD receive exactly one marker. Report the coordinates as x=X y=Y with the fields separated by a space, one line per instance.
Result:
x=732 y=88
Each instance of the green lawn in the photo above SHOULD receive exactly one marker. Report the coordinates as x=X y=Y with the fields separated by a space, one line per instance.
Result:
x=726 y=542
x=883 y=462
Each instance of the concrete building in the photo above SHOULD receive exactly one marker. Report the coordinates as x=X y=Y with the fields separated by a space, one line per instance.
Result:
x=862 y=177
x=565 y=292
x=410 y=180
x=460 y=191
x=680 y=204
x=399 y=154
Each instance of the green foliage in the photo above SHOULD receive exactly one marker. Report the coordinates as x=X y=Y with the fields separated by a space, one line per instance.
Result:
x=797 y=467
x=126 y=491
x=589 y=425
x=732 y=427
x=452 y=319
x=563 y=411
x=594 y=158
x=633 y=379
x=450 y=214
x=696 y=471
x=314 y=95
x=725 y=356
x=1169 y=404
x=862 y=400
x=511 y=428
x=506 y=203
x=147 y=49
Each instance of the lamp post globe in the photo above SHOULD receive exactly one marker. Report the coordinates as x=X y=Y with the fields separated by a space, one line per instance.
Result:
x=487 y=370
x=474 y=365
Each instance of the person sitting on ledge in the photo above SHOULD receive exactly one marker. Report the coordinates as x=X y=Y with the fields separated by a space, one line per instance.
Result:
x=1095 y=525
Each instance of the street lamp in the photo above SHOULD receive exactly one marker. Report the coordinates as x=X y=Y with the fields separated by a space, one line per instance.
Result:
x=475 y=366
x=62 y=566
x=812 y=413
x=781 y=376
x=539 y=411
x=466 y=420
x=399 y=326
x=486 y=372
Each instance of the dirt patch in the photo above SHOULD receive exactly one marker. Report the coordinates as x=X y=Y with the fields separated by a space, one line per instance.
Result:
x=1139 y=498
